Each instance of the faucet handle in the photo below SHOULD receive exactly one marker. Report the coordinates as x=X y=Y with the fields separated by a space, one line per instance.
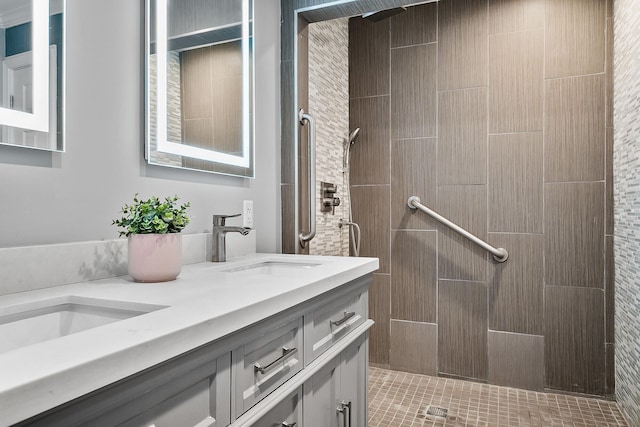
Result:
x=218 y=220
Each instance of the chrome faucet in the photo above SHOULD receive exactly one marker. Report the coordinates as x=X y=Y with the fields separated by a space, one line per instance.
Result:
x=219 y=236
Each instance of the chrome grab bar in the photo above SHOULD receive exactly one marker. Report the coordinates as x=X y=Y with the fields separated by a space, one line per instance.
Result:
x=286 y=352
x=304 y=117
x=499 y=254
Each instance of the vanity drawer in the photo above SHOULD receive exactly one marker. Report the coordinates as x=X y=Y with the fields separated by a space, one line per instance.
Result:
x=330 y=322
x=267 y=361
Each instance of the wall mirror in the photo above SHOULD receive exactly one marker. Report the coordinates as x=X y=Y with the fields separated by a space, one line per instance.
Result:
x=32 y=50
x=199 y=85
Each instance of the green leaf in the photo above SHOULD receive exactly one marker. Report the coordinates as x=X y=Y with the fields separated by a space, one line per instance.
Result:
x=152 y=216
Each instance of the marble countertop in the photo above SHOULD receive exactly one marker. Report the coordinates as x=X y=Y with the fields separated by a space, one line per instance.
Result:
x=205 y=303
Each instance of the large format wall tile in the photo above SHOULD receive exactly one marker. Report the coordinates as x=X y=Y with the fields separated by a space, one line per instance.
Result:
x=516 y=286
x=516 y=360
x=610 y=373
x=462 y=44
x=515 y=183
x=370 y=154
x=370 y=206
x=516 y=81
x=459 y=258
x=368 y=58
x=414 y=347
x=462 y=137
x=462 y=329
x=574 y=339
x=506 y=16
x=574 y=234
x=287 y=193
x=609 y=73
x=413 y=173
x=287 y=125
x=380 y=311
x=575 y=37
x=413 y=275
x=574 y=129
x=413 y=91
x=415 y=26
x=196 y=78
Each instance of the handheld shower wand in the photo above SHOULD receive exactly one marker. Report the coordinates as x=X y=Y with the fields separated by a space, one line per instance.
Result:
x=348 y=142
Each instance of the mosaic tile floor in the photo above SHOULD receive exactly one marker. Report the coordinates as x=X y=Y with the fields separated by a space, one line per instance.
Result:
x=402 y=399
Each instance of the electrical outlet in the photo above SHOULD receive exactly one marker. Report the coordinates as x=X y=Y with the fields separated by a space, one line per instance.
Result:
x=247 y=213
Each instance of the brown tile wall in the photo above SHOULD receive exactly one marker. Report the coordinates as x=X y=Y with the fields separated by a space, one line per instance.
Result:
x=497 y=114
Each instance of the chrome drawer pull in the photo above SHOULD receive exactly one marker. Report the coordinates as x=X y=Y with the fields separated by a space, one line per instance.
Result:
x=286 y=352
x=345 y=410
x=347 y=315
x=286 y=424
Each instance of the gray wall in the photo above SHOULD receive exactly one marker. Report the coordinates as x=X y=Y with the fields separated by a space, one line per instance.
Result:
x=495 y=114
x=73 y=196
x=627 y=207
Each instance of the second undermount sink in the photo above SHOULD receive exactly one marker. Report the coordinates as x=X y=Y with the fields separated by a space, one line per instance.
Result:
x=273 y=267
x=34 y=322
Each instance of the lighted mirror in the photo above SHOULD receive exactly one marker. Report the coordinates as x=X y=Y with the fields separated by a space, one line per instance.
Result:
x=32 y=73
x=199 y=81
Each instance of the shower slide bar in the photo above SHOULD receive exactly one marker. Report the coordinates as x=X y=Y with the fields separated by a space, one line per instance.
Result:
x=302 y=118
x=499 y=254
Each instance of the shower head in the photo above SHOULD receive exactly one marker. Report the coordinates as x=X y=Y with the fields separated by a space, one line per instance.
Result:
x=383 y=14
x=353 y=136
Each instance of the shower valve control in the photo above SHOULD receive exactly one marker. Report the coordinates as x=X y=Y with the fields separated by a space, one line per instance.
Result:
x=328 y=196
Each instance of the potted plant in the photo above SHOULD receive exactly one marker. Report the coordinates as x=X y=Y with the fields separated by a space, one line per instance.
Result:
x=153 y=230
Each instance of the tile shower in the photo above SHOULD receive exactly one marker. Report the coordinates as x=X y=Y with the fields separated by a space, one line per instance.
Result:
x=499 y=119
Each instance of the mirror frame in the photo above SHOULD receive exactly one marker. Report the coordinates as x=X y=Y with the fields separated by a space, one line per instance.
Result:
x=218 y=162
x=38 y=120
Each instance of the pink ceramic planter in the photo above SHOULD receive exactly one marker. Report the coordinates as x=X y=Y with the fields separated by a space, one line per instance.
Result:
x=155 y=257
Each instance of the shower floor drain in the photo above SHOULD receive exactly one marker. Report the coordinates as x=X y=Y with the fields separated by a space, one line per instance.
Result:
x=437 y=411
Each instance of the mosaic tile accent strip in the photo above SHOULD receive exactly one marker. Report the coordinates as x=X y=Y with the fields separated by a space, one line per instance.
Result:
x=402 y=399
x=626 y=164
x=329 y=104
x=174 y=110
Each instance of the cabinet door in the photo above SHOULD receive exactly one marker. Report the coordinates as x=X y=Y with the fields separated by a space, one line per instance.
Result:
x=320 y=397
x=352 y=398
x=336 y=396
x=288 y=413
x=192 y=390
x=184 y=403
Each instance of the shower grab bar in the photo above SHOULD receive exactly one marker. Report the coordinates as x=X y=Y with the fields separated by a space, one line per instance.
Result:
x=499 y=254
x=305 y=237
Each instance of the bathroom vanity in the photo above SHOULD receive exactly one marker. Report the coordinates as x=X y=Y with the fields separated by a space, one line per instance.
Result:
x=266 y=340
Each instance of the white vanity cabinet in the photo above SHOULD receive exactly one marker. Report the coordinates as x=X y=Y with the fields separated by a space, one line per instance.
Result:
x=304 y=366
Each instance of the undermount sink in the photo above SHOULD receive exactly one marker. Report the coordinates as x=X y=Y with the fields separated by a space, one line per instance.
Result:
x=34 y=322
x=273 y=267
